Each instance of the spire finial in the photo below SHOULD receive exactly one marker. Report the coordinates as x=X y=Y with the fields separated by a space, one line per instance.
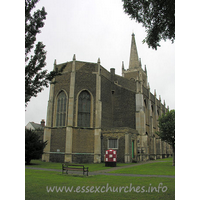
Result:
x=74 y=57
x=98 y=61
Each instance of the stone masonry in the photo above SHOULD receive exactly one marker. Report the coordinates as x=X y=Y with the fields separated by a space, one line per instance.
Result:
x=120 y=113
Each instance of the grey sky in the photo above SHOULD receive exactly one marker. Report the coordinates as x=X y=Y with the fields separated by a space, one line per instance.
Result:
x=94 y=29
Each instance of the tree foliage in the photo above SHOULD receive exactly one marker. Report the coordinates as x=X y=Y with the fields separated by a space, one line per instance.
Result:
x=157 y=16
x=36 y=78
x=167 y=129
x=33 y=146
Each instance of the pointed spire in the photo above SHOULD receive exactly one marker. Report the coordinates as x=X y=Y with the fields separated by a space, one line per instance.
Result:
x=98 y=61
x=133 y=62
x=154 y=92
x=55 y=62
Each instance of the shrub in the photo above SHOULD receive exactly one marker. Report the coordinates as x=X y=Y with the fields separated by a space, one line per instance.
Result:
x=33 y=146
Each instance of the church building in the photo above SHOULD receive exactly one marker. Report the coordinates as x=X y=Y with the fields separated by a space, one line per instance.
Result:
x=91 y=110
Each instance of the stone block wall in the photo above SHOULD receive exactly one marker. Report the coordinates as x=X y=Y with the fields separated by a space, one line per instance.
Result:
x=58 y=137
x=119 y=134
x=56 y=157
x=107 y=107
x=121 y=144
x=83 y=140
x=85 y=81
x=124 y=108
x=83 y=158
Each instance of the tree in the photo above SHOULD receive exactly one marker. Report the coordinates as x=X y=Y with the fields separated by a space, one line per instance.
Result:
x=33 y=146
x=35 y=76
x=157 y=16
x=167 y=130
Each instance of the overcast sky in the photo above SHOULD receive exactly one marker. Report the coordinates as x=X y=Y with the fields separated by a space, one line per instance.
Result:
x=94 y=29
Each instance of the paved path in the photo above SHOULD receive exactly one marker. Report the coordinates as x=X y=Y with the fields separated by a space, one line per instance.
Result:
x=104 y=172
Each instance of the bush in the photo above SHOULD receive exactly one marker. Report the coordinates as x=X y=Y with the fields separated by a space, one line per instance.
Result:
x=33 y=146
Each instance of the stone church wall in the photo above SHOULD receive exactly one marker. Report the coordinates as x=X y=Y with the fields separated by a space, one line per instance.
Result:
x=124 y=108
x=85 y=80
x=107 y=107
x=115 y=107
x=62 y=82
x=83 y=145
x=83 y=140
x=118 y=104
x=58 y=137
x=121 y=144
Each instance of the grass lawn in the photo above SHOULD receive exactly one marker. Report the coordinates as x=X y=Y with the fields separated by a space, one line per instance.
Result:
x=52 y=165
x=157 y=168
x=38 y=181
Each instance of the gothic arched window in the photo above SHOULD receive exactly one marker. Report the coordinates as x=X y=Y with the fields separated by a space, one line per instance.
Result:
x=84 y=104
x=61 y=109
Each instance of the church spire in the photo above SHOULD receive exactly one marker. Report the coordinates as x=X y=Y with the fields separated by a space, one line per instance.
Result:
x=133 y=62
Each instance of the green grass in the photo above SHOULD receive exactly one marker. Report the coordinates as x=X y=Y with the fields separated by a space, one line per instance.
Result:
x=52 y=165
x=157 y=168
x=170 y=159
x=38 y=180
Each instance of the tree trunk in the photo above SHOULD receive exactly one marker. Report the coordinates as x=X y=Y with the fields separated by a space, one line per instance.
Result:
x=173 y=147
